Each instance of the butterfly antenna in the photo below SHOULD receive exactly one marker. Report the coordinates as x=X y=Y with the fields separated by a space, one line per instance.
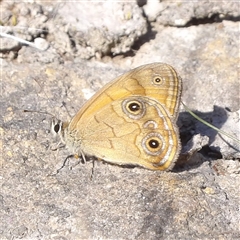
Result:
x=33 y=111
x=64 y=105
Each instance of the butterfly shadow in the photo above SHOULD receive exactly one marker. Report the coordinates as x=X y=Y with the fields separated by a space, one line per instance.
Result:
x=198 y=139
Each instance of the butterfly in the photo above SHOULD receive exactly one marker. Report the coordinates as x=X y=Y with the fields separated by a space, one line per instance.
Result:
x=130 y=121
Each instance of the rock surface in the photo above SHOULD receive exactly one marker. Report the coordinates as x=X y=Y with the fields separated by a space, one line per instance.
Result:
x=199 y=199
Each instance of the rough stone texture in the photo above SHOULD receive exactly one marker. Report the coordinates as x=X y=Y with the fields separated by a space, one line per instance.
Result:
x=199 y=199
x=188 y=12
x=84 y=30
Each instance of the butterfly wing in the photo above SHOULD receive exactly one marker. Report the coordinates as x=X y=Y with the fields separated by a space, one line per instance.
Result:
x=111 y=125
x=133 y=130
x=158 y=80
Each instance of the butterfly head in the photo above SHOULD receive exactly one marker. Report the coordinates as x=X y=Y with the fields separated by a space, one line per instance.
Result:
x=58 y=129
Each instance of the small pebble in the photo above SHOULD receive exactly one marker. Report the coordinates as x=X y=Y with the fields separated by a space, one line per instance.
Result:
x=41 y=44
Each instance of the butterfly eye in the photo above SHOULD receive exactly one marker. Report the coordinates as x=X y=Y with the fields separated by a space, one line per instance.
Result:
x=157 y=80
x=153 y=144
x=56 y=128
x=134 y=108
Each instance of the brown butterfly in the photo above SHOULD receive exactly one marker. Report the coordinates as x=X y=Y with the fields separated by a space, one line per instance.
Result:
x=131 y=120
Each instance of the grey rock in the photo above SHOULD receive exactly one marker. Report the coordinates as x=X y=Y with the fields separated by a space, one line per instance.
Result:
x=109 y=29
x=181 y=13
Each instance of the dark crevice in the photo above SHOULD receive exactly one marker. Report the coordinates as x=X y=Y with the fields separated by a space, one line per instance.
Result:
x=141 y=3
x=211 y=152
x=149 y=35
x=215 y=18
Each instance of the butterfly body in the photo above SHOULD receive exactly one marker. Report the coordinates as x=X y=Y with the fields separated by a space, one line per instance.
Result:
x=132 y=120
